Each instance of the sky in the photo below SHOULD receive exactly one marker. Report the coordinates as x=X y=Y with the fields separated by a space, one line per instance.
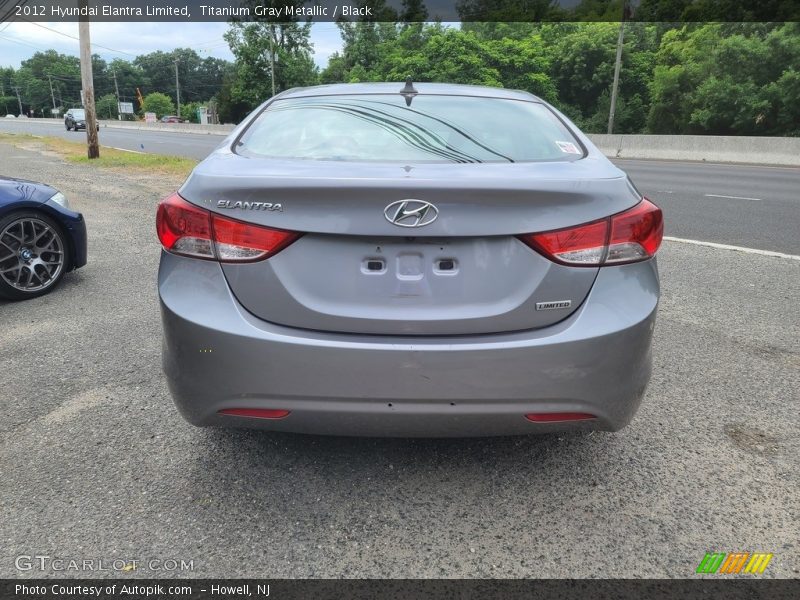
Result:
x=19 y=41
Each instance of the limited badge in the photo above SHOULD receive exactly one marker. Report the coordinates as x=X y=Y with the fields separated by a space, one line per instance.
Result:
x=553 y=305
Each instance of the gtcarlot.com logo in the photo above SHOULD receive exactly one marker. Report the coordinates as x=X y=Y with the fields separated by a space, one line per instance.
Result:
x=43 y=563
x=733 y=563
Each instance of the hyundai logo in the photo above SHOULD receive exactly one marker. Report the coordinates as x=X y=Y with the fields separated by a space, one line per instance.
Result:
x=411 y=213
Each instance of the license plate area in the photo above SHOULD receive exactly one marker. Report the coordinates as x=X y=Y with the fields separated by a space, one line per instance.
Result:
x=410 y=259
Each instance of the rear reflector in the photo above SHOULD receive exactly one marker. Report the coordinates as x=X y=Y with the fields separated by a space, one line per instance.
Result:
x=630 y=236
x=189 y=230
x=255 y=413
x=558 y=416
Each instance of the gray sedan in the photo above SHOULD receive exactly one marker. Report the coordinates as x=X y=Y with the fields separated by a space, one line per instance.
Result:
x=411 y=259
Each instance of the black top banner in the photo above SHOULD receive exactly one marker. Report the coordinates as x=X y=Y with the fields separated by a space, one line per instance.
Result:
x=673 y=11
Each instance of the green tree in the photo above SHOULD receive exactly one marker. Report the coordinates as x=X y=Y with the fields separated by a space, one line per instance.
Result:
x=253 y=43
x=440 y=54
x=189 y=110
x=8 y=101
x=582 y=57
x=106 y=107
x=726 y=79
x=34 y=85
x=159 y=103
x=198 y=77
x=129 y=77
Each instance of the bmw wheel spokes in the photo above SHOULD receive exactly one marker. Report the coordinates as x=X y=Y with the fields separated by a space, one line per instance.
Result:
x=31 y=254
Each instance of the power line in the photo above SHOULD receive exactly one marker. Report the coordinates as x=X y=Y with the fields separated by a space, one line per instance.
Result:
x=77 y=39
x=7 y=16
x=16 y=41
x=213 y=42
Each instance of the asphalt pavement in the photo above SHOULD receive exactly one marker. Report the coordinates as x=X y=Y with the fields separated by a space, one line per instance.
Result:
x=752 y=206
x=96 y=463
x=186 y=145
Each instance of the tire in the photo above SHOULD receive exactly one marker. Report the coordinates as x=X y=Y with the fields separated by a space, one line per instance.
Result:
x=34 y=255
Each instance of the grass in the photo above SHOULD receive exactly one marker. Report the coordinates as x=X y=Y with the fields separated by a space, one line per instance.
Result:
x=75 y=152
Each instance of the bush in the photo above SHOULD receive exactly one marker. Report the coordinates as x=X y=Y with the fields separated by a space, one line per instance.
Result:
x=106 y=107
x=159 y=103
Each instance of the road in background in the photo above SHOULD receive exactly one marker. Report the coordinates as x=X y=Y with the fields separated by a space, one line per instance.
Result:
x=187 y=145
x=752 y=206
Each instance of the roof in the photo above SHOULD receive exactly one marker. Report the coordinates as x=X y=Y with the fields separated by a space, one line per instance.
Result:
x=450 y=89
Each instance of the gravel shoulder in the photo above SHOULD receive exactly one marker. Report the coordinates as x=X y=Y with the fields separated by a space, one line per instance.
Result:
x=96 y=463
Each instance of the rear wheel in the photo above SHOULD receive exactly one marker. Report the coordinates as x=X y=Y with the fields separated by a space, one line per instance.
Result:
x=33 y=255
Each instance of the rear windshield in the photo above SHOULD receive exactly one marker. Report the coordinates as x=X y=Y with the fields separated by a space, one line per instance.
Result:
x=448 y=129
x=78 y=114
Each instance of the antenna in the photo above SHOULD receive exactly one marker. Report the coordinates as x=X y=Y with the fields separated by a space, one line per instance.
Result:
x=409 y=91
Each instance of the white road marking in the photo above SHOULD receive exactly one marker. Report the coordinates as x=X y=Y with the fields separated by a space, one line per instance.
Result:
x=731 y=197
x=736 y=248
x=126 y=150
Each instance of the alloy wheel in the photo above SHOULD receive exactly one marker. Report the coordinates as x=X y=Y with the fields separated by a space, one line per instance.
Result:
x=31 y=254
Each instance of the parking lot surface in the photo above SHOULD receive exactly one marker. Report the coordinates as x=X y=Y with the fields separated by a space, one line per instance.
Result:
x=96 y=463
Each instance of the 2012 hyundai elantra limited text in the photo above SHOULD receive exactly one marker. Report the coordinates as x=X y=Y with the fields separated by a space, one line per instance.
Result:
x=409 y=259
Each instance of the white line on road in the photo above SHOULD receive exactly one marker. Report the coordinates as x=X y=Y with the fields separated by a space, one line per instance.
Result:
x=126 y=150
x=731 y=197
x=736 y=248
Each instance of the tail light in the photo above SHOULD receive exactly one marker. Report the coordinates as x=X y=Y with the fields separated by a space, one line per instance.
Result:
x=189 y=230
x=626 y=237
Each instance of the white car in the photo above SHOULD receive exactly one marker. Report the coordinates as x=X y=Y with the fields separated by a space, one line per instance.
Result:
x=10 y=116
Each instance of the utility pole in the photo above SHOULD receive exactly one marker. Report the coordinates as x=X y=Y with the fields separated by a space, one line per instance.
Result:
x=87 y=81
x=627 y=13
x=116 y=88
x=177 y=89
x=19 y=100
x=52 y=95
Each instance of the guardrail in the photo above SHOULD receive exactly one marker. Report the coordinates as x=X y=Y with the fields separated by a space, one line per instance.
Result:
x=711 y=148
x=171 y=127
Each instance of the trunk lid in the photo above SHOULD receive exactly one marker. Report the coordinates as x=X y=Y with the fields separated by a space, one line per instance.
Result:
x=355 y=271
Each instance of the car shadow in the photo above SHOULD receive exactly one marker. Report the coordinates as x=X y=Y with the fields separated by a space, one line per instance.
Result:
x=268 y=471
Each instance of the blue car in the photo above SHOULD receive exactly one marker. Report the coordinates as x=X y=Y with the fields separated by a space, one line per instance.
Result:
x=40 y=238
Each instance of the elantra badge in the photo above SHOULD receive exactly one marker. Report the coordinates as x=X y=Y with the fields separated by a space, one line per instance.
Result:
x=411 y=213
x=246 y=205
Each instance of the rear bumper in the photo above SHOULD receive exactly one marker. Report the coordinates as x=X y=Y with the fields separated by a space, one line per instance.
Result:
x=217 y=356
